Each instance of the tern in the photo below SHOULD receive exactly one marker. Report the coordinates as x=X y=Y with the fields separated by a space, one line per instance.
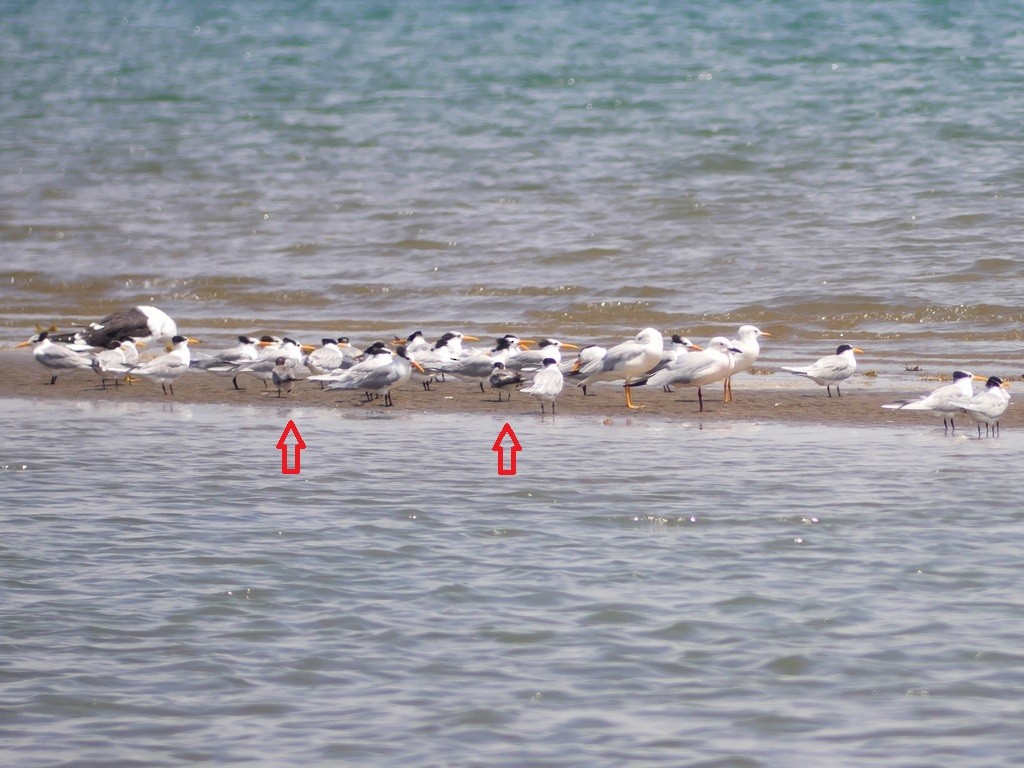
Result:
x=831 y=369
x=445 y=350
x=115 y=362
x=945 y=401
x=534 y=358
x=167 y=368
x=327 y=357
x=226 y=362
x=988 y=406
x=379 y=379
x=478 y=366
x=55 y=357
x=547 y=384
x=263 y=366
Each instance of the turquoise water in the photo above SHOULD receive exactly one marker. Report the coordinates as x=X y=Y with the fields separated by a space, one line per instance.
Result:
x=580 y=169
x=640 y=593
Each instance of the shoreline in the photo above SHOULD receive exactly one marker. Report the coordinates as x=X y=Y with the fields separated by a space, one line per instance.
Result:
x=758 y=398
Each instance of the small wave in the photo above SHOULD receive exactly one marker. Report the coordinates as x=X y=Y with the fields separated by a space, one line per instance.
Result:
x=418 y=244
x=622 y=315
x=581 y=256
x=983 y=270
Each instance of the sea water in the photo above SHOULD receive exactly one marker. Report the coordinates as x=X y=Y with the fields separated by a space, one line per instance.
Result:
x=827 y=171
x=639 y=592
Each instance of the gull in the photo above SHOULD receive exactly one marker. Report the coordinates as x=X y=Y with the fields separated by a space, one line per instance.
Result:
x=696 y=369
x=988 y=406
x=749 y=349
x=143 y=324
x=167 y=368
x=226 y=362
x=831 y=369
x=547 y=384
x=679 y=345
x=586 y=355
x=501 y=378
x=55 y=357
x=625 y=361
x=945 y=401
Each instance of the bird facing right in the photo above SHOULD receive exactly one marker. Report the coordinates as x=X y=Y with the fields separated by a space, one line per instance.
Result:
x=988 y=406
x=945 y=401
x=831 y=369
x=628 y=360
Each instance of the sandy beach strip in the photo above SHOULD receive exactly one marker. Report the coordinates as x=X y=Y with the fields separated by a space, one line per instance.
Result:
x=774 y=397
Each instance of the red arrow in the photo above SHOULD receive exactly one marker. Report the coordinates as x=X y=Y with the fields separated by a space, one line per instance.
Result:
x=283 y=443
x=499 y=448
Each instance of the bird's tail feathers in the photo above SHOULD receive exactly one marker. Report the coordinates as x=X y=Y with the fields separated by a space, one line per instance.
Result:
x=909 y=405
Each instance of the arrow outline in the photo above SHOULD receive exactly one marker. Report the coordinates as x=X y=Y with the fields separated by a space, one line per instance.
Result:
x=282 y=445
x=499 y=448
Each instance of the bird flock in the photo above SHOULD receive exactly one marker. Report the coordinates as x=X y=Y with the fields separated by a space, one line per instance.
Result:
x=110 y=348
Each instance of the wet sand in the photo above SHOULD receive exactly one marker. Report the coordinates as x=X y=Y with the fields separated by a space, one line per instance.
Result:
x=758 y=397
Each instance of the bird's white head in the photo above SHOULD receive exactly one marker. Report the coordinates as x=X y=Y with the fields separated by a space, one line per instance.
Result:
x=649 y=336
x=751 y=332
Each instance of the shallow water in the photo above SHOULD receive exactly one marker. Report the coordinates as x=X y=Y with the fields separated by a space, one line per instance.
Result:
x=832 y=171
x=639 y=593
x=645 y=593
